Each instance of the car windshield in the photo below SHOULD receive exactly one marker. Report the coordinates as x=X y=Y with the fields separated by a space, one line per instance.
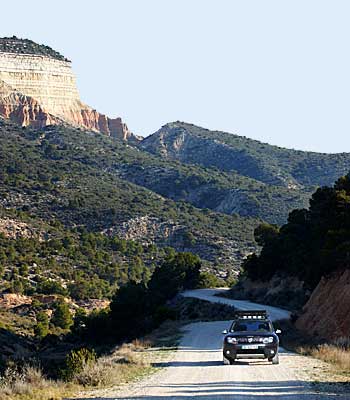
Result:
x=251 y=326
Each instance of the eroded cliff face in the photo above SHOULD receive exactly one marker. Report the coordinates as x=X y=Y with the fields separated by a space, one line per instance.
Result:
x=22 y=109
x=327 y=313
x=40 y=90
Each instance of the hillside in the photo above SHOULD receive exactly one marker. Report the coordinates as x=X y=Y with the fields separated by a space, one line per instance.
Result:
x=184 y=186
x=78 y=178
x=45 y=258
x=209 y=170
x=84 y=179
x=304 y=264
x=263 y=162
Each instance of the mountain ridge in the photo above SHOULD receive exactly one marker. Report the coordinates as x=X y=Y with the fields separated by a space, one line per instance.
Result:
x=288 y=167
x=188 y=181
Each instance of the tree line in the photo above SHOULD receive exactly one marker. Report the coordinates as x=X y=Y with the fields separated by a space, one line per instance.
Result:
x=313 y=243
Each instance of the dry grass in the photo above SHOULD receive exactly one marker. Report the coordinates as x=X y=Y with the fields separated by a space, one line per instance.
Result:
x=123 y=365
x=30 y=384
x=336 y=353
x=339 y=356
x=126 y=363
x=130 y=360
x=141 y=344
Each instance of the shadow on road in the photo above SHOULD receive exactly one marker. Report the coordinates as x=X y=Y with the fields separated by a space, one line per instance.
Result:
x=211 y=363
x=243 y=390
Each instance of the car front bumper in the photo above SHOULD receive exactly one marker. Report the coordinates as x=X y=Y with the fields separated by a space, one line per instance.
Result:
x=233 y=351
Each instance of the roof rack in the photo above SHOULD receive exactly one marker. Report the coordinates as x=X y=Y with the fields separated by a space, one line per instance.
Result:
x=251 y=314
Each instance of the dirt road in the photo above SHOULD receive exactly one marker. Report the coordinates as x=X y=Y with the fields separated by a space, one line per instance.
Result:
x=196 y=371
x=210 y=295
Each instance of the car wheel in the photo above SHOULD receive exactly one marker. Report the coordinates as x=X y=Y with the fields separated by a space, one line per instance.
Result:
x=275 y=360
x=232 y=362
x=226 y=361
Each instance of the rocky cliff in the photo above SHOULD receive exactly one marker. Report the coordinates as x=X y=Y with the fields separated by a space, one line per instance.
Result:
x=327 y=313
x=38 y=88
x=24 y=110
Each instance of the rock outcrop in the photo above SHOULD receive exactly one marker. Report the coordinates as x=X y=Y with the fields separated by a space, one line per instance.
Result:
x=210 y=247
x=15 y=229
x=38 y=88
x=24 y=110
x=327 y=313
x=13 y=300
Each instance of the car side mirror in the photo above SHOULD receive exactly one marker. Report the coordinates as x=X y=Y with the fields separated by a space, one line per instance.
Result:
x=224 y=332
x=278 y=331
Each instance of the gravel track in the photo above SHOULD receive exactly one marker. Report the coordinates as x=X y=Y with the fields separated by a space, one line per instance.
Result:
x=196 y=371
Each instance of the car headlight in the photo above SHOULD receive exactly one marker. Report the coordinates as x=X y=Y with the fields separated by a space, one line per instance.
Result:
x=231 y=340
x=268 y=339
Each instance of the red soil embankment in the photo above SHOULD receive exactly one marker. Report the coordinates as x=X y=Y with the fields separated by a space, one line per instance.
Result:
x=327 y=312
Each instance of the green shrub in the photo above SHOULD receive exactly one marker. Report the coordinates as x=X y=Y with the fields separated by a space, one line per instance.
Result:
x=209 y=280
x=51 y=287
x=76 y=361
x=61 y=316
x=164 y=313
x=41 y=329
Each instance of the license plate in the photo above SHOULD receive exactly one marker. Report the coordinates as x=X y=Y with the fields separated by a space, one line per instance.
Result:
x=250 y=347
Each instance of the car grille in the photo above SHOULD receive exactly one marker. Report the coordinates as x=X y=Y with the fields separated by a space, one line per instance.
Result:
x=254 y=339
x=255 y=351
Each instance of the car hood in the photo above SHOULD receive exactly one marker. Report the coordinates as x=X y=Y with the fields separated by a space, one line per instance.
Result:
x=248 y=333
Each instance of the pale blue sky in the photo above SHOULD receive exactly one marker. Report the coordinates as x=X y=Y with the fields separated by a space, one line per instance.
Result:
x=273 y=70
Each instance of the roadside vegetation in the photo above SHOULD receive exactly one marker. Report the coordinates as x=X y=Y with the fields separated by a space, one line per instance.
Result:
x=80 y=352
x=83 y=370
x=336 y=352
x=312 y=244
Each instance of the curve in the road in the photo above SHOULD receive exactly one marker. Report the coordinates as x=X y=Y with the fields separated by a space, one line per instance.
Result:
x=197 y=372
x=212 y=296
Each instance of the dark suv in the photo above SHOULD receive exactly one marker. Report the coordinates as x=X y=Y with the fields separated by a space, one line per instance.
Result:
x=251 y=335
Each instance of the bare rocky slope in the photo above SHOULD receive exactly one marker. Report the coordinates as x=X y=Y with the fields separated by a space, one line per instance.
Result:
x=327 y=312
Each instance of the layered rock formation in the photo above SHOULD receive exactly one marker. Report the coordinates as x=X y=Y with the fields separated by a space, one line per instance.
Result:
x=327 y=313
x=22 y=109
x=38 y=88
